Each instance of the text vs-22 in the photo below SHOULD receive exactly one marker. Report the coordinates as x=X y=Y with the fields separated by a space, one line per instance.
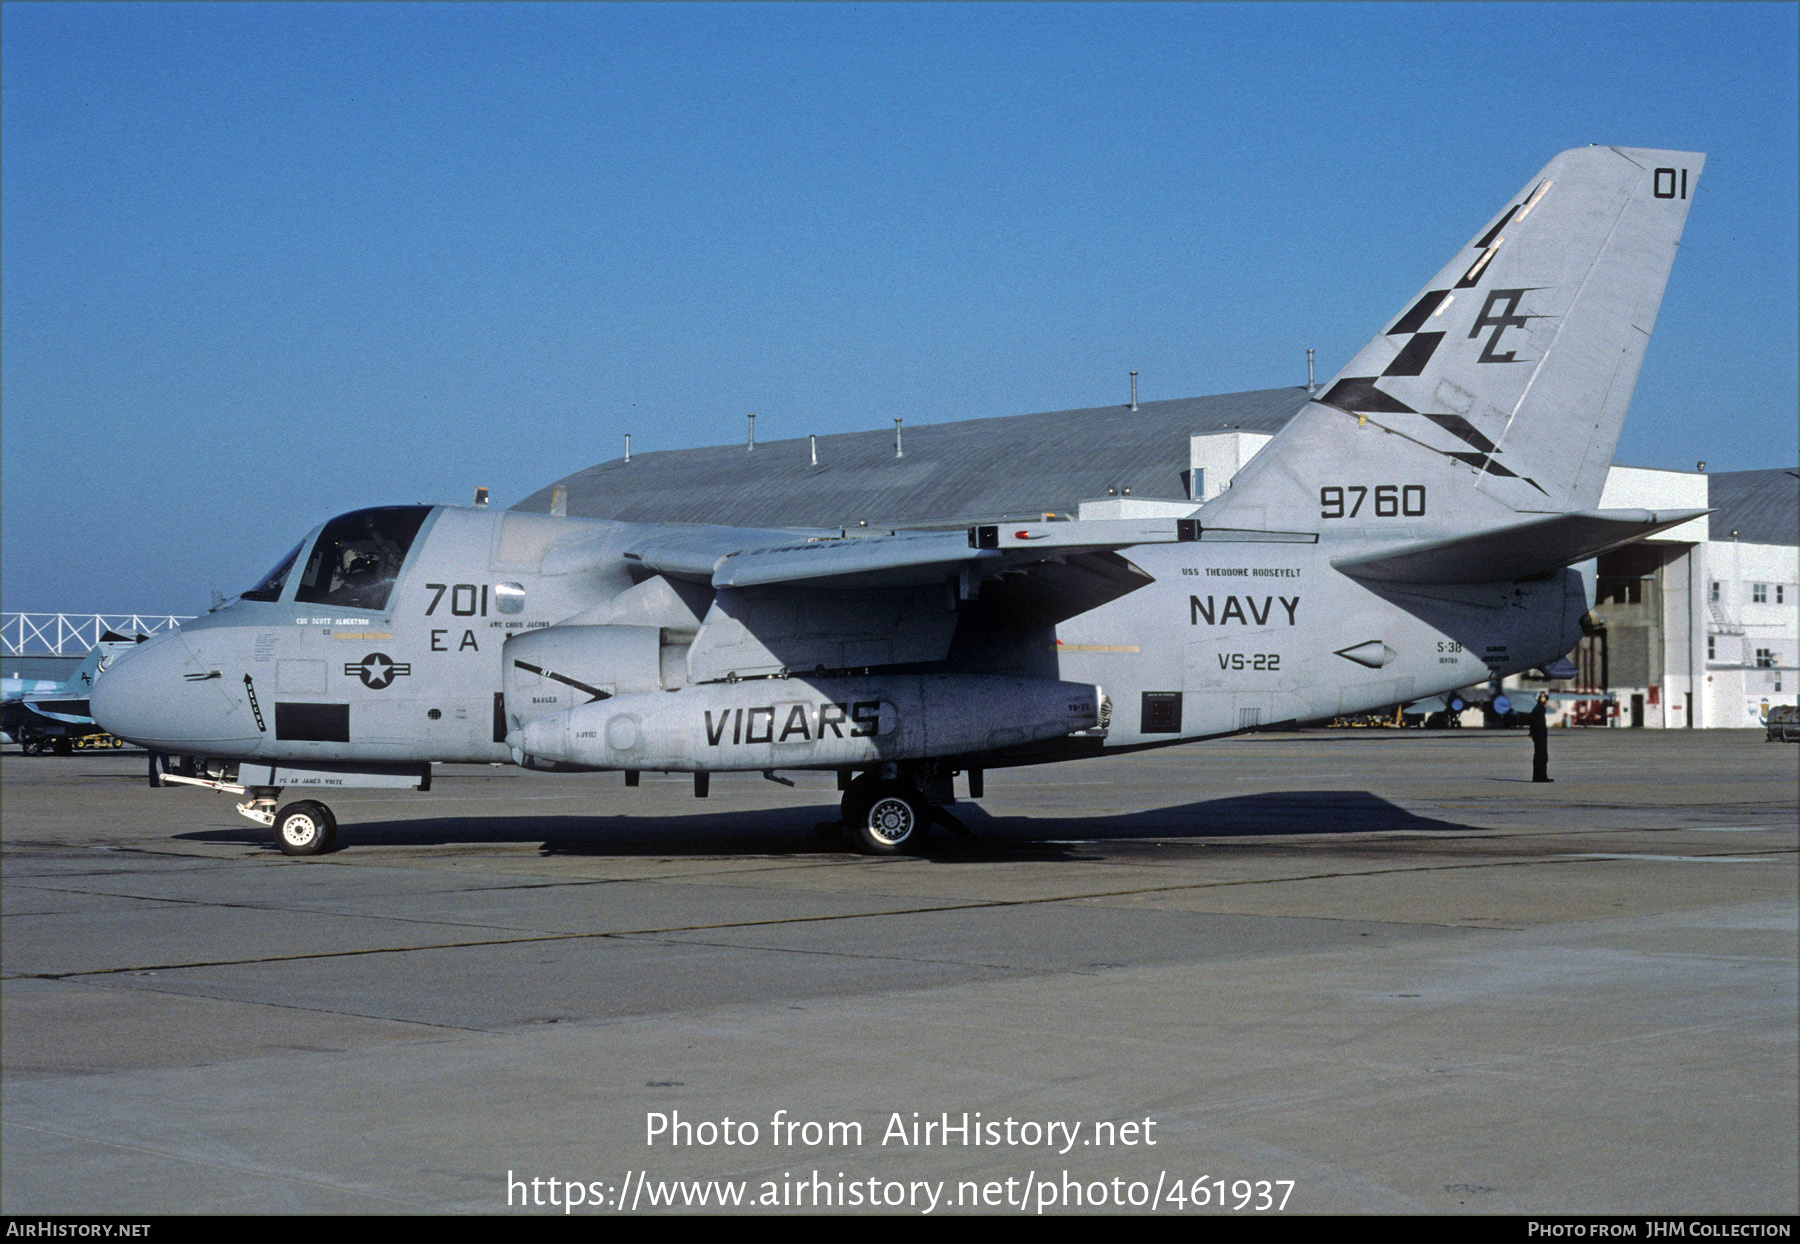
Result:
x=1249 y=660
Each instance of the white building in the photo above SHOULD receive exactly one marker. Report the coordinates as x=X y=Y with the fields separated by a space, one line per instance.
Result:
x=1752 y=598
x=1699 y=625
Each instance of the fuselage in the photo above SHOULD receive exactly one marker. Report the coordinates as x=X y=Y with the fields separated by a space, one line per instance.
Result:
x=386 y=640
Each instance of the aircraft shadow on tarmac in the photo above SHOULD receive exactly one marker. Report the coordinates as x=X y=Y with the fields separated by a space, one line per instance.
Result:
x=789 y=831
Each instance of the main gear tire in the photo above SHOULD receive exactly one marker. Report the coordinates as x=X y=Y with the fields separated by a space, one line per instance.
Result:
x=886 y=818
x=305 y=827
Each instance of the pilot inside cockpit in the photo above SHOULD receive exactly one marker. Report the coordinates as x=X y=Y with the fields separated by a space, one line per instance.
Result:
x=358 y=557
x=365 y=563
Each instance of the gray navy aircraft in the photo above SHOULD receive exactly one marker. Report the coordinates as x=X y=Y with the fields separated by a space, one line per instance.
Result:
x=1417 y=527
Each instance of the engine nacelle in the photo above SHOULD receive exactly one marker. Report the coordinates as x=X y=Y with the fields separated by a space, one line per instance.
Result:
x=793 y=723
x=557 y=668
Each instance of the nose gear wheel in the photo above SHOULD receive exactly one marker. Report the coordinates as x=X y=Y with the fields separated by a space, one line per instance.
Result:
x=305 y=827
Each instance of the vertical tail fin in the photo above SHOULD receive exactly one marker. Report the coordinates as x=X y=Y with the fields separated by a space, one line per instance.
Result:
x=82 y=680
x=1502 y=386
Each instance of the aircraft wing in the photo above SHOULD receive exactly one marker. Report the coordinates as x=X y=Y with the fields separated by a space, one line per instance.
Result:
x=693 y=552
x=1515 y=551
x=797 y=600
x=69 y=712
x=726 y=557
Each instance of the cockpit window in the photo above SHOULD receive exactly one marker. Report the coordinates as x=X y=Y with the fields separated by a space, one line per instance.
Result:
x=358 y=557
x=269 y=586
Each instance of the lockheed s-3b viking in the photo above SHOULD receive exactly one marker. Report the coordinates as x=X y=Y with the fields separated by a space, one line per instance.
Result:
x=1417 y=527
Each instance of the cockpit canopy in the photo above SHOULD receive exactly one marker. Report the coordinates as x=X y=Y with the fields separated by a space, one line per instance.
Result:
x=353 y=563
x=269 y=586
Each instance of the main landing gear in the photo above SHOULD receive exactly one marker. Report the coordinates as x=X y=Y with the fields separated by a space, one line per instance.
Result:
x=890 y=811
x=886 y=816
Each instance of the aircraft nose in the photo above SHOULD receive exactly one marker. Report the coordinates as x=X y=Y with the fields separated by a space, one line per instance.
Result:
x=164 y=695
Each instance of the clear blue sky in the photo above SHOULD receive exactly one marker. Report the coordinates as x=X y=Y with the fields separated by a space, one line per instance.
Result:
x=262 y=264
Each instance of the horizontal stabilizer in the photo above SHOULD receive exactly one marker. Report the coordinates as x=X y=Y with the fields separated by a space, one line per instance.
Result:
x=1516 y=551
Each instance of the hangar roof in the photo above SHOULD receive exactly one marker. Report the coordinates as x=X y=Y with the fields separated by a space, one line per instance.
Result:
x=1762 y=506
x=1007 y=466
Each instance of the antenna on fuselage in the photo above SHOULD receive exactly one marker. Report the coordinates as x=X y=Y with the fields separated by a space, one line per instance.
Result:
x=481 y=496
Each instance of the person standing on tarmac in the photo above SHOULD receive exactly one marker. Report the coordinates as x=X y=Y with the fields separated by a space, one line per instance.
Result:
x=1540 y=740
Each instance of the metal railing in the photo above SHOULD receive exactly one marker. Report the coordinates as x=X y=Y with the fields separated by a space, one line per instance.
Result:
x=73 y=634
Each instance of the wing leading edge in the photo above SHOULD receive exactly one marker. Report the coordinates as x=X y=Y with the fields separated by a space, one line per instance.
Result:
x=727 y=557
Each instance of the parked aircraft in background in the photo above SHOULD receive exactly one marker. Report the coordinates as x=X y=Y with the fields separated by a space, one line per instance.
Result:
x=1410 y=532
x=39 y=713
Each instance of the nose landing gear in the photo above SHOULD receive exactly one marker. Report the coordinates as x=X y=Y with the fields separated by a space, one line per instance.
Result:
x=304 y=827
